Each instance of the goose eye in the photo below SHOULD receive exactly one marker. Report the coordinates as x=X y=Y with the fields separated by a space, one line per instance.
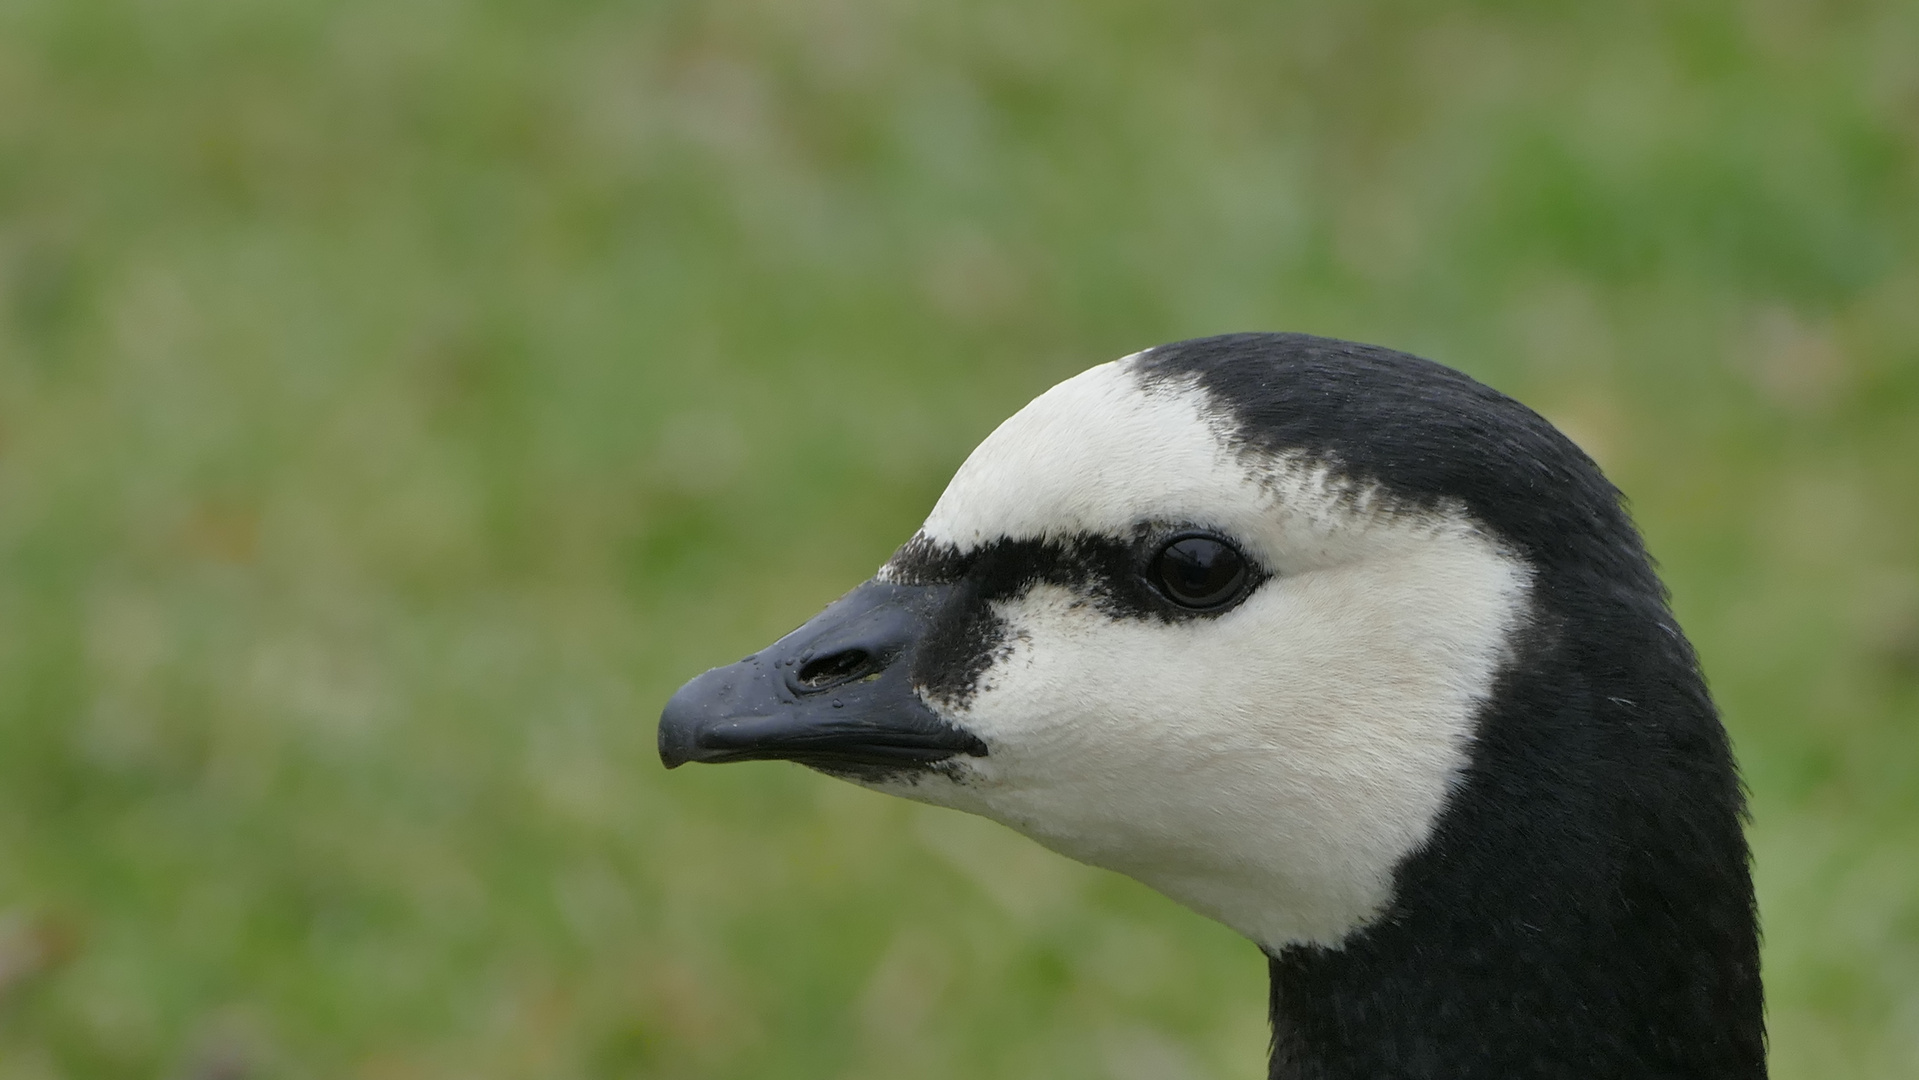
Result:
x=1199 y=572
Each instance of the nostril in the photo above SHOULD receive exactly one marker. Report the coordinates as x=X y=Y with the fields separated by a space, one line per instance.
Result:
x=835 y=668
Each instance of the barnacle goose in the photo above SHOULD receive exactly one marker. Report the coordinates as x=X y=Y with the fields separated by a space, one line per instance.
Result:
x=1340 y=648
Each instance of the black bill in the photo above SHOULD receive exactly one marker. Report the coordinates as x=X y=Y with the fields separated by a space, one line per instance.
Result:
x=835 y=694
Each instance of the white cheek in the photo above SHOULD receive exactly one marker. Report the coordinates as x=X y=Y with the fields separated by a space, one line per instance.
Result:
x=1272 y=766
x=1269 y=767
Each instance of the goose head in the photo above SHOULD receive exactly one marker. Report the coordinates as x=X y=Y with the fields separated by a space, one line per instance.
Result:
x=1337 y=647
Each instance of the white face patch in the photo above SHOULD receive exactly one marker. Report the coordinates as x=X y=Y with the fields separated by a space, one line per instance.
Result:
x=1268 y=766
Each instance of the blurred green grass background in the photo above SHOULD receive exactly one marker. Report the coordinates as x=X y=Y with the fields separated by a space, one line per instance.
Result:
x=397 y=400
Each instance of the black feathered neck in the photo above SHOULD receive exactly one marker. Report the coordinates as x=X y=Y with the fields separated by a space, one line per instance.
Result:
x=1584 y=907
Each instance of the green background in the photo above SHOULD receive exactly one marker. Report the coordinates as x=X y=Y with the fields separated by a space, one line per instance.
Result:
x=398 y=400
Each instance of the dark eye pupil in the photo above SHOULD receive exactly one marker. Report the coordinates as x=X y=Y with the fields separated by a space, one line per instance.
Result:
x=1199 y=572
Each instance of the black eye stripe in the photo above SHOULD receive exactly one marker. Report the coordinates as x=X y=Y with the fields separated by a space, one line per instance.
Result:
x=1114 y=574
x=1121 y=575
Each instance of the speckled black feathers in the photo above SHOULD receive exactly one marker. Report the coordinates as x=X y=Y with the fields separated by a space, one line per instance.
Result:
x=1584 y=907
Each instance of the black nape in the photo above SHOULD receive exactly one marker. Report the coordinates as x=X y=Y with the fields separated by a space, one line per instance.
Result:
x=1584 y=907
